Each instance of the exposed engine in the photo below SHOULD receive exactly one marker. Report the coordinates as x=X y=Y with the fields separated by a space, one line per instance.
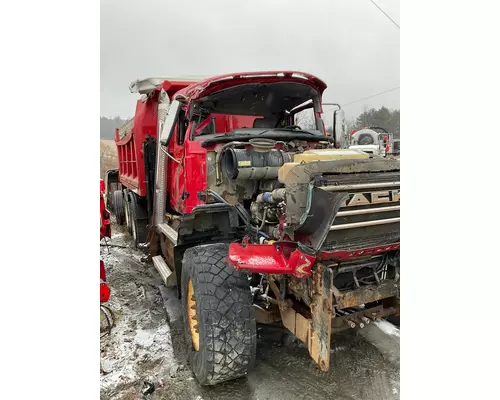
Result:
x=251 y=174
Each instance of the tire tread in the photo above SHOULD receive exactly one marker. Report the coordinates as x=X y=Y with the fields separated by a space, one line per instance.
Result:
x=225 y=303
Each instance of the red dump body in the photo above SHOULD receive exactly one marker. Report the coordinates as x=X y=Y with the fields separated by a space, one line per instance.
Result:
x=130 y=138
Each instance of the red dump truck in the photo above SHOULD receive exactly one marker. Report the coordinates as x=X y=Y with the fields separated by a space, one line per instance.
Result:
x=254 y=217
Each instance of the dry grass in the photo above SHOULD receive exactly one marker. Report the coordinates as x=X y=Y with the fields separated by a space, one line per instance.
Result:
x=108 y=157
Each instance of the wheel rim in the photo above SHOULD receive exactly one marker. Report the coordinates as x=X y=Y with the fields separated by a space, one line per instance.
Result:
x=192 y=316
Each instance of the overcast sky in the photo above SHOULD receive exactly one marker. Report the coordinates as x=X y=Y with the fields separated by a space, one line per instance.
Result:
x=349 y=44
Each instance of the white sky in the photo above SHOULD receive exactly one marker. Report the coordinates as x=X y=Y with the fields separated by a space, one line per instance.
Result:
x=349 y=44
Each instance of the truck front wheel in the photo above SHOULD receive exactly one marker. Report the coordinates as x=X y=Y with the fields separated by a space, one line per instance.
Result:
x=219 y=320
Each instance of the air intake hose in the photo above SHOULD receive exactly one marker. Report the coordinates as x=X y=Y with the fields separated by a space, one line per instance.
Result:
x=254 y=165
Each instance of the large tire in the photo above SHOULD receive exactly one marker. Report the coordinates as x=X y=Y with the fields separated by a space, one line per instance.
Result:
x=224 y=315
x=365 y=139
x=138 y=221
x=118 y=209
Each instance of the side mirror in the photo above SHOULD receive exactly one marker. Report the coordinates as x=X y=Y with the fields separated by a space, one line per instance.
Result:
x=170 y=120
x=338 y=124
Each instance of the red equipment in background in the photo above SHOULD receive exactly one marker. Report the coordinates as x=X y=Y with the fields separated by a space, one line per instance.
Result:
x=105 y=216
x=104 y=289
x=105 y=232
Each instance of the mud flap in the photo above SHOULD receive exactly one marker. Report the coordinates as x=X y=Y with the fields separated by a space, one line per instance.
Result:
x=322 y=312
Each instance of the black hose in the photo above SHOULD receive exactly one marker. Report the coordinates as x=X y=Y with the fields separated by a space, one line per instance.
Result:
x=110 y=321
x=239 y=208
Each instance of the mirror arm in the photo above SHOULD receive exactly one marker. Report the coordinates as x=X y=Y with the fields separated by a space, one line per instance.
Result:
x=334 y=134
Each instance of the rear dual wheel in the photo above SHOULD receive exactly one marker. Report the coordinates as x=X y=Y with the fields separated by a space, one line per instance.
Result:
x=219 y=321
x=118 y=207
x=138 y=220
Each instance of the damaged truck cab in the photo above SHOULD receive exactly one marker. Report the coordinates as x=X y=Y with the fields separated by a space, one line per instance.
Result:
x=258 y=219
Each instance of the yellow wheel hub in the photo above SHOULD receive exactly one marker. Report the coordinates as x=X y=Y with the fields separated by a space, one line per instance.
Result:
x=192 y=316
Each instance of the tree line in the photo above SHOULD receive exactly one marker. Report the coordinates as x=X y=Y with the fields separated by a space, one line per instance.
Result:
x=108 y=126
x=383 y=118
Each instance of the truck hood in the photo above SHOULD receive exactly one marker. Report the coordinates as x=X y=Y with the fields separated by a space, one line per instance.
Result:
x=211 y=85
x=256 y=93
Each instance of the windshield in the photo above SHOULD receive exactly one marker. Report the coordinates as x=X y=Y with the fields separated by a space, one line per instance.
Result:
x=257 y=108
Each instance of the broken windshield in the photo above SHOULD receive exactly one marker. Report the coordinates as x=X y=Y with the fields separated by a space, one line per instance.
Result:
x=258 y=106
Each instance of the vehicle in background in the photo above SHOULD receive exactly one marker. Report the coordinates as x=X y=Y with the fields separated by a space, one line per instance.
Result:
x=374 y=140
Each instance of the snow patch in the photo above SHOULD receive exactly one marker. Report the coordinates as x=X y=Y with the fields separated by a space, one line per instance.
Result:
x=387 y=328
x=144 y=338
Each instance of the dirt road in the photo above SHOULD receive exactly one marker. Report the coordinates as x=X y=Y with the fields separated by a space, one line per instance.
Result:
x=147 y=344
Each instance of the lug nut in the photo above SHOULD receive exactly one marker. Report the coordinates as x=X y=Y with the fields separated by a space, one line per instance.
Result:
x=350 y=323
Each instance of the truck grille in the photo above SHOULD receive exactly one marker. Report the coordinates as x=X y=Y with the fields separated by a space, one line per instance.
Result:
x=370 y=217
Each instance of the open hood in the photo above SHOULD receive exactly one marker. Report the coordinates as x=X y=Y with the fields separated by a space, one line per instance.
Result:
x=254 y=93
